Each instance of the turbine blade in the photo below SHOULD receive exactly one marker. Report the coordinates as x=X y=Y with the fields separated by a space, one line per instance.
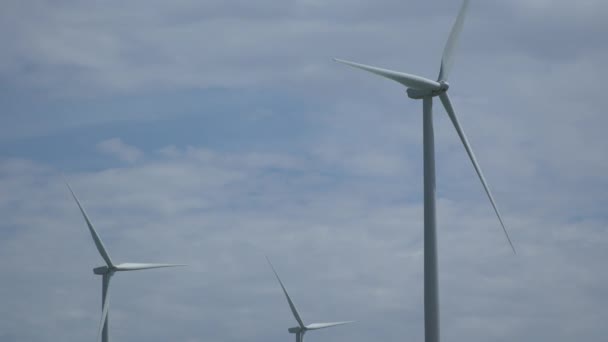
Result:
x=104 y=312
x=102 y=250
x=445 y=99
x=315 y=326
x=138 y=266
x=292 y=306
x=410 y=81
x=447 y=60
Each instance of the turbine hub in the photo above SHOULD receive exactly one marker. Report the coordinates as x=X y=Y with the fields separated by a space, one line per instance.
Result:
x=444 y=85
x=295 y=330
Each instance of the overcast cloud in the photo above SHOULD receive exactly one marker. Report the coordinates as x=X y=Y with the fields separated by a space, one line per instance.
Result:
x=214 y=133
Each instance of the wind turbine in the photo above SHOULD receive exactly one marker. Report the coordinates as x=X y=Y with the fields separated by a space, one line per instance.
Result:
x=108 y=271
x=302 y=328
x=424 y=89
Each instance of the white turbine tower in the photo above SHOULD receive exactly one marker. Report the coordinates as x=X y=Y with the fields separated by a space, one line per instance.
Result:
x=108 y=271
x=302 y=328
x=424 y=89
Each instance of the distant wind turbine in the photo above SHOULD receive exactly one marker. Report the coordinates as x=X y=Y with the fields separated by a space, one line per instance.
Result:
x=302 y=328
x=108 y=271
x=426 y=89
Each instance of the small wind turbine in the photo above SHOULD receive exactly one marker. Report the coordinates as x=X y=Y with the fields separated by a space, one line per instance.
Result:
x=425 y=89
x=302 y=328
x=108 y=271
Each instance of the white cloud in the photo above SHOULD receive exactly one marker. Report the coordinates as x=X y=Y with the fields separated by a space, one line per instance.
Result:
x=344 y=253
x=115 y=147
x=166 y=45
x=341 y=216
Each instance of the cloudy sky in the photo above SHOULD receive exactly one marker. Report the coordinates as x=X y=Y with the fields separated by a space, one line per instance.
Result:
x=213 y=133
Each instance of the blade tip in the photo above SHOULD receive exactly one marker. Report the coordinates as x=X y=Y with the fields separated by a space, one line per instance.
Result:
x=269 y=262
x=68 y=185
x=342 y=61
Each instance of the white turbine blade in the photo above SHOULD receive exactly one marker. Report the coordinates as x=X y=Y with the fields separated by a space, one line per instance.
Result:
x=447 y=59
x=292 y=306
x=138 y=266
x=315 y=326
x=410 y=81
x=448 y=107
x=102 y=251
x=104 y=313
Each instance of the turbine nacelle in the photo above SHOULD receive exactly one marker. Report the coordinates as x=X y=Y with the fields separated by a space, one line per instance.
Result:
x=419 y=94
x=101 y=270
x=296 y=330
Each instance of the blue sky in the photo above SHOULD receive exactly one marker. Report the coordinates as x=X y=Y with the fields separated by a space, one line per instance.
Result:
x=213 y=133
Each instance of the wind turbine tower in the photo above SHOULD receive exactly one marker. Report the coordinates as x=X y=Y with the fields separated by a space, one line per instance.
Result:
x=108 y=270
x=302 y=328
x=421 y=88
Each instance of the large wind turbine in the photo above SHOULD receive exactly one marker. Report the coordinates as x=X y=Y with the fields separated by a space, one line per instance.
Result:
x=108 y=271
x=302 y=328
x=424 y=89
